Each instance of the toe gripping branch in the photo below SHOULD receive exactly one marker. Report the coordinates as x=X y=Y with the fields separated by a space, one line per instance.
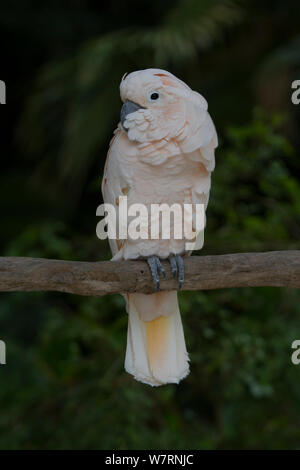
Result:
x=157 y=269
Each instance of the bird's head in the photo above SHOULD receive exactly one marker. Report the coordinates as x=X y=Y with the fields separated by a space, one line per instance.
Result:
x=157 y=105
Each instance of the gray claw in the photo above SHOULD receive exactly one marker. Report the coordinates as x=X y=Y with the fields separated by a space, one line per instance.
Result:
x=173 y=264
x=177 y=266
x=156 y=269
x=180 y=270
x=161 y=269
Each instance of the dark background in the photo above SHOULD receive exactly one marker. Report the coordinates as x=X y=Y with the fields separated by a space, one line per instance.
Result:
x=64 y=386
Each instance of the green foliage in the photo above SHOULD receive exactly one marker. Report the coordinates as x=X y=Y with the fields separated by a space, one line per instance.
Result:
x=64 y=385
x=255 y=197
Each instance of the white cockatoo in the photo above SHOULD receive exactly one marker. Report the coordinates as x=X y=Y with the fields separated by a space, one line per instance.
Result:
x=162 y=152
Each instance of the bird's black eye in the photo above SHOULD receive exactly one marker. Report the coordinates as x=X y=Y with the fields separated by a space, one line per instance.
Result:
x=154 y=96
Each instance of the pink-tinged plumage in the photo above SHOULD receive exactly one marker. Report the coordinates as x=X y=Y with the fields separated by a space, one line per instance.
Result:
x=166 y=156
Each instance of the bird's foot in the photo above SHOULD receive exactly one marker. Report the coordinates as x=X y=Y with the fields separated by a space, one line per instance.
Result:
x=177 y=268
x=156 y=269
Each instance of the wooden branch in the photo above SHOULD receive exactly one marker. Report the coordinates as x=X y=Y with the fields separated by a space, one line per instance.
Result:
x=275 y=268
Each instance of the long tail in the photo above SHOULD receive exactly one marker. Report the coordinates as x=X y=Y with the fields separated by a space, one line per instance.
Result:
x=156 y=352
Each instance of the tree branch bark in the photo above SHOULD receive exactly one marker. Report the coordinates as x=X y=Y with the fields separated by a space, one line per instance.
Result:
x=275 y=268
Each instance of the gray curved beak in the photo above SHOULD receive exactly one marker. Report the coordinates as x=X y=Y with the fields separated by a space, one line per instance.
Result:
x=128 y=108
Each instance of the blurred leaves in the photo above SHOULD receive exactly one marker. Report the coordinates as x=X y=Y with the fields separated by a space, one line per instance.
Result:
x=255 y=198
x=64 y=385
x=287 y=55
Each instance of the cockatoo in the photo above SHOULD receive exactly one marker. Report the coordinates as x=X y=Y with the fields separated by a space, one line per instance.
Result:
x=163 y=151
